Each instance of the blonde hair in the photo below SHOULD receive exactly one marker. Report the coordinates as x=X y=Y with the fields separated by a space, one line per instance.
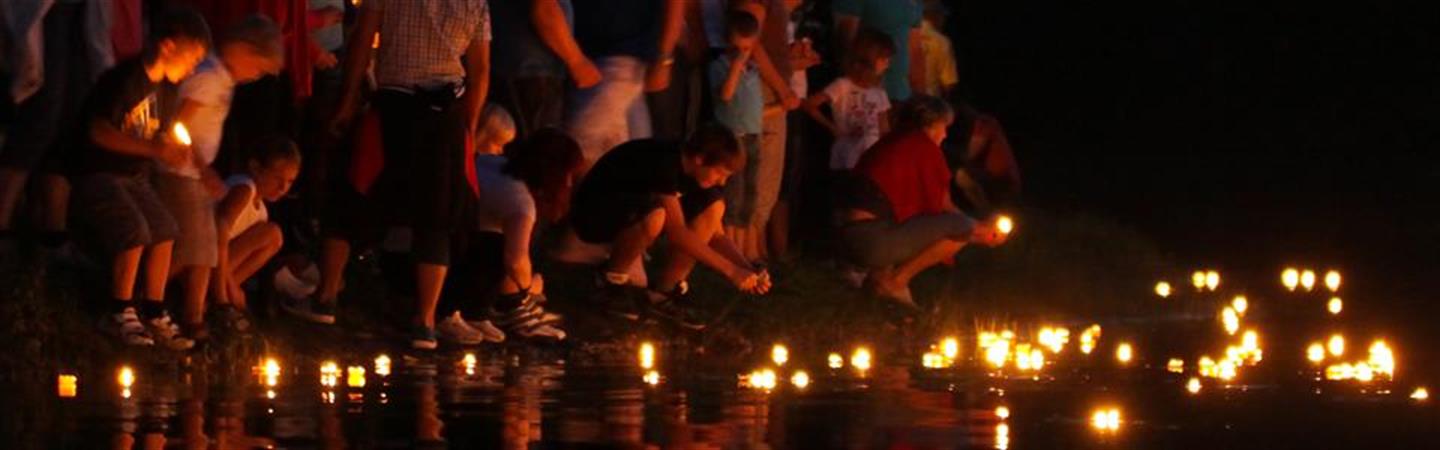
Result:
x=494 y=120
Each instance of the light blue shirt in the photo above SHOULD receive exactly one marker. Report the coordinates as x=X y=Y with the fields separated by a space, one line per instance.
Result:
x=743 y=113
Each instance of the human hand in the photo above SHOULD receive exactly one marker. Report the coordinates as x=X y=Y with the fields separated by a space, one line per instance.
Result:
x=173 y=154
x=657 y=77
x=585 y=74
x=987 y=234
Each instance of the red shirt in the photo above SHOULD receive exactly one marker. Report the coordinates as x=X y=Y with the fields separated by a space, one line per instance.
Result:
x=911 y=171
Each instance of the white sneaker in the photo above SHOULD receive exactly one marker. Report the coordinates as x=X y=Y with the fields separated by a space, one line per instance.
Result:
x=166 y=333
x=291 y=285
x=126 y=326
x=491 y=332
x=455 y=329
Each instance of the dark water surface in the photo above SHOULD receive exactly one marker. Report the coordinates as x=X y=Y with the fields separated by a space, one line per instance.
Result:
x=518 y=396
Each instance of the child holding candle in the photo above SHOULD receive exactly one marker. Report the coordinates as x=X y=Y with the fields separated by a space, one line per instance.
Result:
x=249 y=50
x=129 y=117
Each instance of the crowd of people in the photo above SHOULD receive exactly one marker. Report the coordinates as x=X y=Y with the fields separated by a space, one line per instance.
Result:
x=456 y=132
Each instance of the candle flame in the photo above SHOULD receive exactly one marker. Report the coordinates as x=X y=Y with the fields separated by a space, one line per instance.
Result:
x=182 y=134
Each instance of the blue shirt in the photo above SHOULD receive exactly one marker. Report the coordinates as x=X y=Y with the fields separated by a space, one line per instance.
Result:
x=894 y=18
x=742 y=114
x=618 y=27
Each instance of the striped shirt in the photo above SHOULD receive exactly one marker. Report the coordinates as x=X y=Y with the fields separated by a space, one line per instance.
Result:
x=422 y=41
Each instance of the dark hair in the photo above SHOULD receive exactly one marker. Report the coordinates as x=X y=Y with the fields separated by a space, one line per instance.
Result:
x=869 y=47
x=716 y=146
x=259 y=33
x=545 y=161
x=274 y=148
x=922 y=111
x=742 y=24
x=179 y=23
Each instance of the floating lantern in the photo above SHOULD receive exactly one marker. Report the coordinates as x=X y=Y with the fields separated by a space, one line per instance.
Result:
x=932 y=360
x=1212 y=280
x=1382 y=359
x=1198 y=279
x=1335 y=306
x=1240 y=304
x=1089 y=338
x=1193 y=386
x=835 y=360
x=860 y=360
x=1162 y=289
x=1315 y=353
x=950 y=348
x=1307 y=280
x=1336 y=345
x=382 y=365
x=800 y=379
x=1106 y=420
x=271 y=372
x=1337 y=372
x=1290 y=278
x=182 y=134
x=779 y=354
x=652 y=377
x=355 y=376
x=329 y=374
x=1230 y=319
x=761 y=379
x=1124 y=353
x=1175 y=365
x=647 y=356
x=996 y=354
x=1226 y=370
x=67 y=385
x=1332 y=281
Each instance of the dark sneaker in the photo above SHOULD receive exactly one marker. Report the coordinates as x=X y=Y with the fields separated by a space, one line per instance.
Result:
x=126 y=326
x=619 y=300
x=309 y=309
x=528 y=321
x=423 y=338
x=671 y=312
x=166 y=333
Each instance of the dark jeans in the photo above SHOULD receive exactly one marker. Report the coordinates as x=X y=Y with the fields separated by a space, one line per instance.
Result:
x=423 y=184
x=677 y=110
x=473 y=283
x=535 y=102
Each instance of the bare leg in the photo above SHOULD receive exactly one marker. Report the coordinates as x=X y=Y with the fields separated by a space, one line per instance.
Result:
x=123 y=271
x=429 y=279
x=899 y=279
x=12 y=184
x=333 y=256
x=56 y=202
x=633 y=241
x=157 y=269
x=777 y=232
x=252 y=249
x=679 y=264
x=197 y=282
x=572 y=250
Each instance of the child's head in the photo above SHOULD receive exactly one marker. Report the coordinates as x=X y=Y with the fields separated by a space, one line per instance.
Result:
x=711 y=155
x=869 y=57
x=274 y=167
x=496 y=130
x=252 y=49
x=549 y=162
x=742 y=30
x=927 y=114
x=935 y=13
x=179 y=40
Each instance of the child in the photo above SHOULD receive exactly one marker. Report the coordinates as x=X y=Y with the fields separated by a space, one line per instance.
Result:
x=128 y=119
x=247 y=237
x=935 y=75
x=857 y=100
x=249 y=50
x=740 y=105
x=648 y=186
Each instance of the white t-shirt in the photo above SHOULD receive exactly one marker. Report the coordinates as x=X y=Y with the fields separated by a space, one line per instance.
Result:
x=211 y=88
x=254 y=211
x=502 y=198
x=855 y=108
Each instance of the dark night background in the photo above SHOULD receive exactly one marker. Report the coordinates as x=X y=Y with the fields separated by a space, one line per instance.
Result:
x=1239 y=135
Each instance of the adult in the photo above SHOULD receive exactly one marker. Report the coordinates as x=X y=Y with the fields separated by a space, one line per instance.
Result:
x=899 y=19
x=632 y=42
x=535 y=53
x=432 y=67
x=645 y=187
x=899 y=219
x=987 y=178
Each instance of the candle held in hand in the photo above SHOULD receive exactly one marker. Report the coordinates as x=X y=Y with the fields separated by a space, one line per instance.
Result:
x=182 y=134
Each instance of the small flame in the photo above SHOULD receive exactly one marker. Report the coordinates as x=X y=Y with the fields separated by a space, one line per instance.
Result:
x=67 y=385
x=182 y=134
x=1005 y=224
x=801 y=380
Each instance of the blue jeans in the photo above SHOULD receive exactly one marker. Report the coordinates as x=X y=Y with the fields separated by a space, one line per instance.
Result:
x=612 y=112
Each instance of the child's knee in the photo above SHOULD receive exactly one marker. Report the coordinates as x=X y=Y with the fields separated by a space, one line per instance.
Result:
x=272 y=235
x=654 y=222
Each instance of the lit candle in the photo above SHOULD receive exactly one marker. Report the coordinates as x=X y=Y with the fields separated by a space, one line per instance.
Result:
x=950 y=348
x=1124 y=353
x=1307 y=279
x=652 y=378
x=1002 y=412
x=1315 y=353
x=1421 y=394
x=1241 y=304
x=801 y=380
x=1332 y=281
x=182 y=134
x=860 y=360
x=355 y=376
x=779 y=354
x=1193 y=386
x=1335 y=305
x=647 y=355
x=1336 y=345
x=1162 y=289
x=1212 y=280
x=1005 y=224
x=382 y=365
x=1290 y=278
x=835 y=360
